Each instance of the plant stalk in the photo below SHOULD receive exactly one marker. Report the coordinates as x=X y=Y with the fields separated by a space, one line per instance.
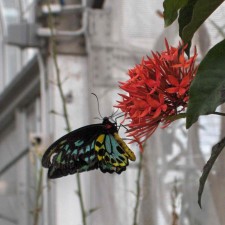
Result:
x=38 y=205
x=138 y=189
x=65 y=112
x=219 y=113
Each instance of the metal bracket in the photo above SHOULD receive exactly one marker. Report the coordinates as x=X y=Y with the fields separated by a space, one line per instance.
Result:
x=23 y=35
x=56 y=9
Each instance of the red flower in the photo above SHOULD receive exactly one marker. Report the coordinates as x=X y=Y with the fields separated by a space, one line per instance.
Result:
x=157 y=88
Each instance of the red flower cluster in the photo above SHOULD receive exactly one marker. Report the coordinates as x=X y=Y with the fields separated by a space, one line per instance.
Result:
x=158 y=88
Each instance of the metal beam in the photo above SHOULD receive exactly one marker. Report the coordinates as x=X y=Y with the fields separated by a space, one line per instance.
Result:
x=13 y=162
x=23 y=88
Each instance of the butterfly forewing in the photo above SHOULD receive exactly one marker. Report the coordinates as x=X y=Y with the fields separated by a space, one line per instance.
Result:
x=73 y=152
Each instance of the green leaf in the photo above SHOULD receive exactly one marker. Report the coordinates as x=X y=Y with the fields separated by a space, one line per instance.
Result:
x=206 y=91
x=185 y=15
x=216 y=150
x=193 y=14
x=171 y=8
x=184 y=19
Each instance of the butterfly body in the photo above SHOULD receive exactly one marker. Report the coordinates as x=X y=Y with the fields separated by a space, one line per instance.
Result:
x=87 y=148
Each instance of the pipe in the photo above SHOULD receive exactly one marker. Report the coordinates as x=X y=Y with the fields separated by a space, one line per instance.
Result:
x=56 y=8
x=46 y=32
x=42 y=69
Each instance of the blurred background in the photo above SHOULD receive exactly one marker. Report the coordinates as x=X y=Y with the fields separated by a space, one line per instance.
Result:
x=97 y=42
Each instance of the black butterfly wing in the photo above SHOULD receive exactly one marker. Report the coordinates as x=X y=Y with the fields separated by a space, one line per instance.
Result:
x=74 y=152
x=87 y=148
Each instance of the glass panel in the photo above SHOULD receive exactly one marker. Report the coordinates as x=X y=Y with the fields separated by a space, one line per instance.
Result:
x=28 y=14
x=136 y=25
x=28 y=54
x=12 y=62
x=1 y=65
x=28 y=11
x=8 y=195
x=10 y=11
x=8 y=180
x=13 y=58
x=11 y=15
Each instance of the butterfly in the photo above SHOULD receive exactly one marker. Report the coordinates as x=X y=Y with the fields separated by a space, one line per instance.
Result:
x=96 y=146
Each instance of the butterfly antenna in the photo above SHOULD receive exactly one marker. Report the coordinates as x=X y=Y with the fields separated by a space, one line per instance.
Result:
x=121 y=125
x=98 y=104
x=114 y=113
x=119 y=115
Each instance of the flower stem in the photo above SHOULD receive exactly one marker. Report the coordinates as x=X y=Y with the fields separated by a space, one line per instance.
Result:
x=38 y=204
x=65 y=112
x=54 y=55
x=174 y=199
x=138 y=189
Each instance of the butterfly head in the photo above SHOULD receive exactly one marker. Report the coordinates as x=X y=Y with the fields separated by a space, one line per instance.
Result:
x=111 y=127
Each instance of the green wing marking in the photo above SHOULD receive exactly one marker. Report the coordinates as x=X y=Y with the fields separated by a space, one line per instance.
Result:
x=69 y=158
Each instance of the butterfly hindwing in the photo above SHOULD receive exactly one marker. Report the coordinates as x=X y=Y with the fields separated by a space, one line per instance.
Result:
x=112 y=157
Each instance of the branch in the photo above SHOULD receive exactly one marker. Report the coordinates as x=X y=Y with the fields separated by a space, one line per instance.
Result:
x=216 y=150
x=138 y=188
x=65 y=112
x=219 y=113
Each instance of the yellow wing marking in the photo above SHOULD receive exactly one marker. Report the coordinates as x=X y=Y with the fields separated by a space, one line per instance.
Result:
x=127 y=150
x=99 y=144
